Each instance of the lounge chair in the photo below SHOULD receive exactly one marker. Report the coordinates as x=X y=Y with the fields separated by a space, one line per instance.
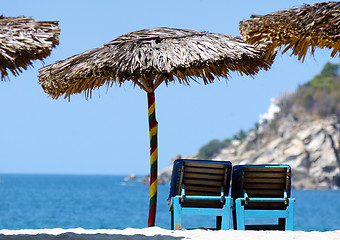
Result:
x=262 y=191
x=200 y=187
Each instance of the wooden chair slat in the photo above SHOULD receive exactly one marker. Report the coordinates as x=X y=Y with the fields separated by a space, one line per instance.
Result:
x=265 y=206
x=265 y=180
x=205 y=176
x=202 y=204
x=203 y=189
x=264 y=192
x=205 y=165
x=263 y=185
x=266 y=175
x=200 y=193
x=205 y=170
x=265 y=169
x=201 y=182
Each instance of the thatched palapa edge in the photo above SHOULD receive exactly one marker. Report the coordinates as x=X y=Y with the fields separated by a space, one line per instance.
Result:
x=310 y=26
x=151 y=56
x=23 y=40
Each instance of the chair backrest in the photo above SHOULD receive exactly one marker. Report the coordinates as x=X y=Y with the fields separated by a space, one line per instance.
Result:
x=267 y=182
x=262 y=181
x=200 y=177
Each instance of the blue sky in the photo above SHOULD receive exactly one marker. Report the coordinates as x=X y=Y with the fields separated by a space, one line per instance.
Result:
x=108 y=134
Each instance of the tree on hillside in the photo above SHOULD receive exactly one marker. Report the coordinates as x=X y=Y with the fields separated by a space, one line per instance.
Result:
x=209 y=150
x=330 y=70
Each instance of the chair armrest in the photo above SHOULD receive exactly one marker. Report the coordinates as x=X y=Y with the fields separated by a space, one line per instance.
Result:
x=203 y=197
x=183 y=196
x=247 y=199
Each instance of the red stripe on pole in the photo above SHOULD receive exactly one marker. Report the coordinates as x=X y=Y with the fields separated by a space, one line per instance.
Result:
x=151 y=99
x=152 y=212
x=152 y=124
x=153 y=177
x=153 y=148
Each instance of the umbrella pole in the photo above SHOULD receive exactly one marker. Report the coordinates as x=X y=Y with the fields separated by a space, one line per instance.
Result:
x=153 y=129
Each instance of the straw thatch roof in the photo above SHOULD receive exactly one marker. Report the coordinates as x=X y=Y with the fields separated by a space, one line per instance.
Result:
x=149 y=57
x=22 y=40
x=316 y=25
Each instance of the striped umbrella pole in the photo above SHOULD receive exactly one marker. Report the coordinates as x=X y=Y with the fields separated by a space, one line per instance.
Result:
x=153 y=128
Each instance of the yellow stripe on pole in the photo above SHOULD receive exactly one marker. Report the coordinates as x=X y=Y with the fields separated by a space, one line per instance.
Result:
x=153 y=131
x=153 y=157
x=153 y=188
x=152 y=108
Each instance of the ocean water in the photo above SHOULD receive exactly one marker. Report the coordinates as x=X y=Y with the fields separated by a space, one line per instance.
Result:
x=92 y=202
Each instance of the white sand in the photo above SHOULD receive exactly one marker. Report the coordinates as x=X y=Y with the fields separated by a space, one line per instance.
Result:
x=156 y=233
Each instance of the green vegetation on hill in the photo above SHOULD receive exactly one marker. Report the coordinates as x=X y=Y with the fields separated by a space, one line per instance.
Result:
x=320 y=96
x=209 y=150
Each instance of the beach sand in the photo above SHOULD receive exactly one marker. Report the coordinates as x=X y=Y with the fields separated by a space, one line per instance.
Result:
x=156 y=233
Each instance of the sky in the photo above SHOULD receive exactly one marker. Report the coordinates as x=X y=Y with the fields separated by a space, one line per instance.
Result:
x=108 y=134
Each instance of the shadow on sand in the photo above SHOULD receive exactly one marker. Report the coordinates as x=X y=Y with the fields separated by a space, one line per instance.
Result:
x=74 y=236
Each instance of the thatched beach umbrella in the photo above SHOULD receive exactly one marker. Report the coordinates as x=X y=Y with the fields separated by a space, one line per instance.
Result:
x=148 y=58
x=22 y=40
x=315 y=25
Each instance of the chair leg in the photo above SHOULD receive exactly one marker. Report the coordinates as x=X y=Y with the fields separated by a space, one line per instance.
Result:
x=282 y=223
x=239 y=215
x=172 y=220
x=225 y=217
x=177 y=214
x=290 y=215
x=234 y=219
x=218 y=222
x=226 y=214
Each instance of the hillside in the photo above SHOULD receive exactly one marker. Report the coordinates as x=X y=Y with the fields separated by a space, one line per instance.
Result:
x=304 y=133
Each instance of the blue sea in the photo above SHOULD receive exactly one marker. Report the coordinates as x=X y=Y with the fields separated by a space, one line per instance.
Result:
x=107 y=202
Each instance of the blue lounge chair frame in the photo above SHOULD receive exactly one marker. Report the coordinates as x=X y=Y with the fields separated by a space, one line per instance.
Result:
x=263 y=191
x=194 y=191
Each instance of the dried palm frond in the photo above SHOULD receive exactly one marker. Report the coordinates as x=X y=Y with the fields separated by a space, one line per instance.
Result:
x=151 y=56
x=315 y=25
x=22 y=40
